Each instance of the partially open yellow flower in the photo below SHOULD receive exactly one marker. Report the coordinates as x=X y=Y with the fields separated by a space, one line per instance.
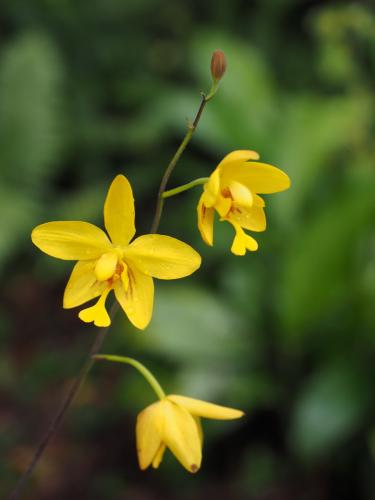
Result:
x=115 y=264
x=232 y=190
x=174 y=423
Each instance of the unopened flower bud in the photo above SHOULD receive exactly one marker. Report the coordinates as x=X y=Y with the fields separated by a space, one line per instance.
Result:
x=218 y=65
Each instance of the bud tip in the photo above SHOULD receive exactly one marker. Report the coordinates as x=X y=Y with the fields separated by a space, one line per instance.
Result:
x=218 y=65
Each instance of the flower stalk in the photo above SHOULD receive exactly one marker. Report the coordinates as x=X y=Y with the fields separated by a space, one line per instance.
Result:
x=65 y=405
x=173 y=422
x=185 y=187
x=138 y=366
x=168 y=172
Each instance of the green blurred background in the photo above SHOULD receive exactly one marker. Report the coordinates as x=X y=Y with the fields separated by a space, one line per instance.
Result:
x=90 y=89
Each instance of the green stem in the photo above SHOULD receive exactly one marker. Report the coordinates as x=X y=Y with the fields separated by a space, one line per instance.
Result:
x=138 y=366
x=177 y=155
x=213 y=90
x=65 y=405
x=184 y=187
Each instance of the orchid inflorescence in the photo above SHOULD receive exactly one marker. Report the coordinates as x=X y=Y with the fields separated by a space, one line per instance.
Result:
x=114 y=261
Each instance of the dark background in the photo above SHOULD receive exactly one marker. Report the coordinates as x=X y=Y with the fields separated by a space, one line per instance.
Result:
x=93 y=88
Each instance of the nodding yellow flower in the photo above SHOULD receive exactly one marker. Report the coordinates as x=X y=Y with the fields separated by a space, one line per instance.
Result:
x=174 y=423
x=233 y=191
x=115 y=264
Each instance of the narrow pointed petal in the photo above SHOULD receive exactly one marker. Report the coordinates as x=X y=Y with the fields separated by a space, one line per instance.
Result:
x=97 y=313
x=82 y=285
x=258 y=177
x=159 y=456
x=70 y=240
x=181 y=436
x=148 y=435
x=206 y=222
x=207 y=410
x=252 y=218
x=162 y=257
x=119 y=211
x=238 y=156
x=137 y=301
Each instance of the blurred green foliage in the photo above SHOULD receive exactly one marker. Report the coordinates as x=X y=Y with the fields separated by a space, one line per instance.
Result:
x=90 y=89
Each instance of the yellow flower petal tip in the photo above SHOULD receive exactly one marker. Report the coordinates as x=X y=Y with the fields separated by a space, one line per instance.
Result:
x=97 y=313
x=92 y=315
x=112 y=262
x=243 y=242
x=233 y=191
x=174 y=423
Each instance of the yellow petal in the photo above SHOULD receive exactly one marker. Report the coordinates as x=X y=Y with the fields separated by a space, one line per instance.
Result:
x=207 y=410
x=252 y=218
x=238 y=156
x=148 y=434
x=181 y=436
x=241 y=194
x=258 y=177
x=243 y=242
x=198 y=423
x=251 y=243
x=119 y=211
x=106 y=266
x=137 y=301
x=206 y=222
x=159 y=456
x=211 y=189
x=223 y=205
x=70 y=240
x=162 y=257
x=125 y=276
x=97 y=313
x=82 y=285
x=258 y=201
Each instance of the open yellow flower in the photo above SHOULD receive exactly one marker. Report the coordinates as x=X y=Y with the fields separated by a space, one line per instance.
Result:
x=233 y=191
x=115 y=264
x=174 y=423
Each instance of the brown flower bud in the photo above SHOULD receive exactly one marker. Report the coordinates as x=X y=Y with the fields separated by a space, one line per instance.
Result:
x=218 y=65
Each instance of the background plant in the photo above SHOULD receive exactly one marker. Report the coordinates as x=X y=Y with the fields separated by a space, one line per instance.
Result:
x=90 y=90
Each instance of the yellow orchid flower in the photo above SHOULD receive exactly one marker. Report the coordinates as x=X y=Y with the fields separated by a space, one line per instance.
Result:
x=115 y=264
x=174 y=423
x=233 y=191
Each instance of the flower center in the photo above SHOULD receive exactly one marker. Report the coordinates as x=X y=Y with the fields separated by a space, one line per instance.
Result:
x=110 y=267
x=240 y=194
x=226 y=193
x=117 y=272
